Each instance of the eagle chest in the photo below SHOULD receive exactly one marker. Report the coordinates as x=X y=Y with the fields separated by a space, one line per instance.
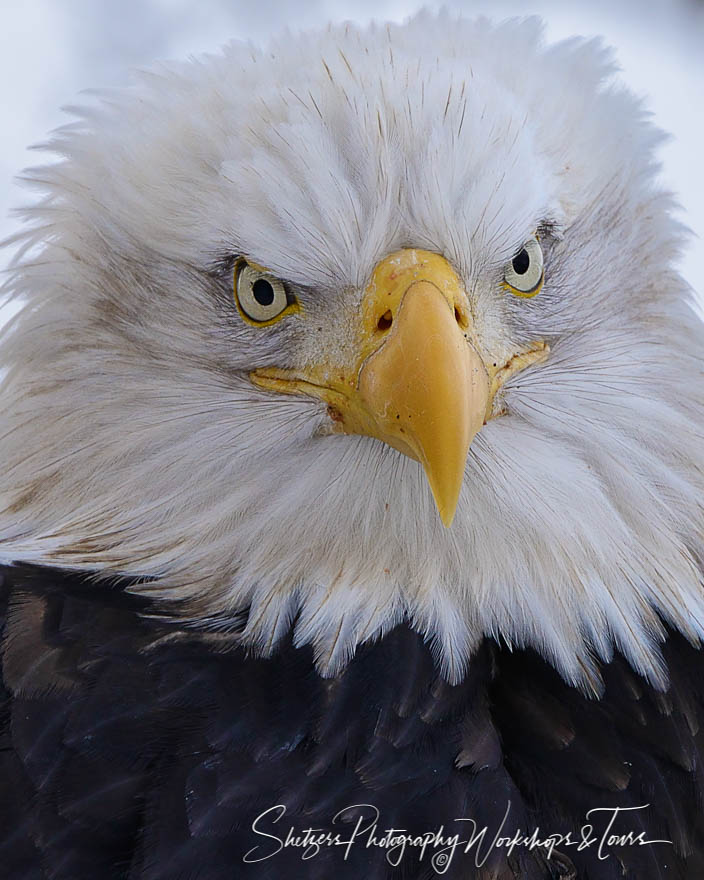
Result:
x=126 y=743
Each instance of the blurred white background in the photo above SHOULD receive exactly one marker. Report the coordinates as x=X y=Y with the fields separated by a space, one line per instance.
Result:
x=51 y=49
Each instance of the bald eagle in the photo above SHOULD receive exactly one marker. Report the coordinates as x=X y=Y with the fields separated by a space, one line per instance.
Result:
x=351 y=471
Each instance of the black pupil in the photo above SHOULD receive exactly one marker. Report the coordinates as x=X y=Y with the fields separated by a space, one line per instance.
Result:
x=263 y=292
x=521 y=262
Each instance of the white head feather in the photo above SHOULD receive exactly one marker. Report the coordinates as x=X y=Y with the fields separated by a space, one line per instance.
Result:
x=134 y=443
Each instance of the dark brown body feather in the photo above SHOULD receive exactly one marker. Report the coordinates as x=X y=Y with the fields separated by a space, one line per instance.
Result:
x=124 y=757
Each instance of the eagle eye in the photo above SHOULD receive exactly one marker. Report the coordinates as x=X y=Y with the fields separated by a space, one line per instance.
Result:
x=261 y=298
x=525 y=274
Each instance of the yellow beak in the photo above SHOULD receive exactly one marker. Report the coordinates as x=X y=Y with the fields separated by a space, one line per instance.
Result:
x=426 y=390
x=417 y=382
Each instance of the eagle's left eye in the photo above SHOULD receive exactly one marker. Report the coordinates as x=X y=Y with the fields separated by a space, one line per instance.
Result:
x=261 y=297
x=525 y=273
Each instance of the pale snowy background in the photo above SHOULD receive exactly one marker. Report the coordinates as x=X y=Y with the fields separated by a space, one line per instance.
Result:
x=51 y=49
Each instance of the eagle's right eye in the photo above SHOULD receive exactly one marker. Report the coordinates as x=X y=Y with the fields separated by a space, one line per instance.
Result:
x=261 y=298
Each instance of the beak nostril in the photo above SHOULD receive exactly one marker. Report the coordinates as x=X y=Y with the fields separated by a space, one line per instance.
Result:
x=385 y=321
x=460 y=318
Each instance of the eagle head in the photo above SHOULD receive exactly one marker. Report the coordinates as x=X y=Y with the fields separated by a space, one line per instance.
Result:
x=371 y=324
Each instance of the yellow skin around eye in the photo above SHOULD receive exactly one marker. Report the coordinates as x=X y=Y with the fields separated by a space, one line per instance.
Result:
x=526 y=294
x=292 y=308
